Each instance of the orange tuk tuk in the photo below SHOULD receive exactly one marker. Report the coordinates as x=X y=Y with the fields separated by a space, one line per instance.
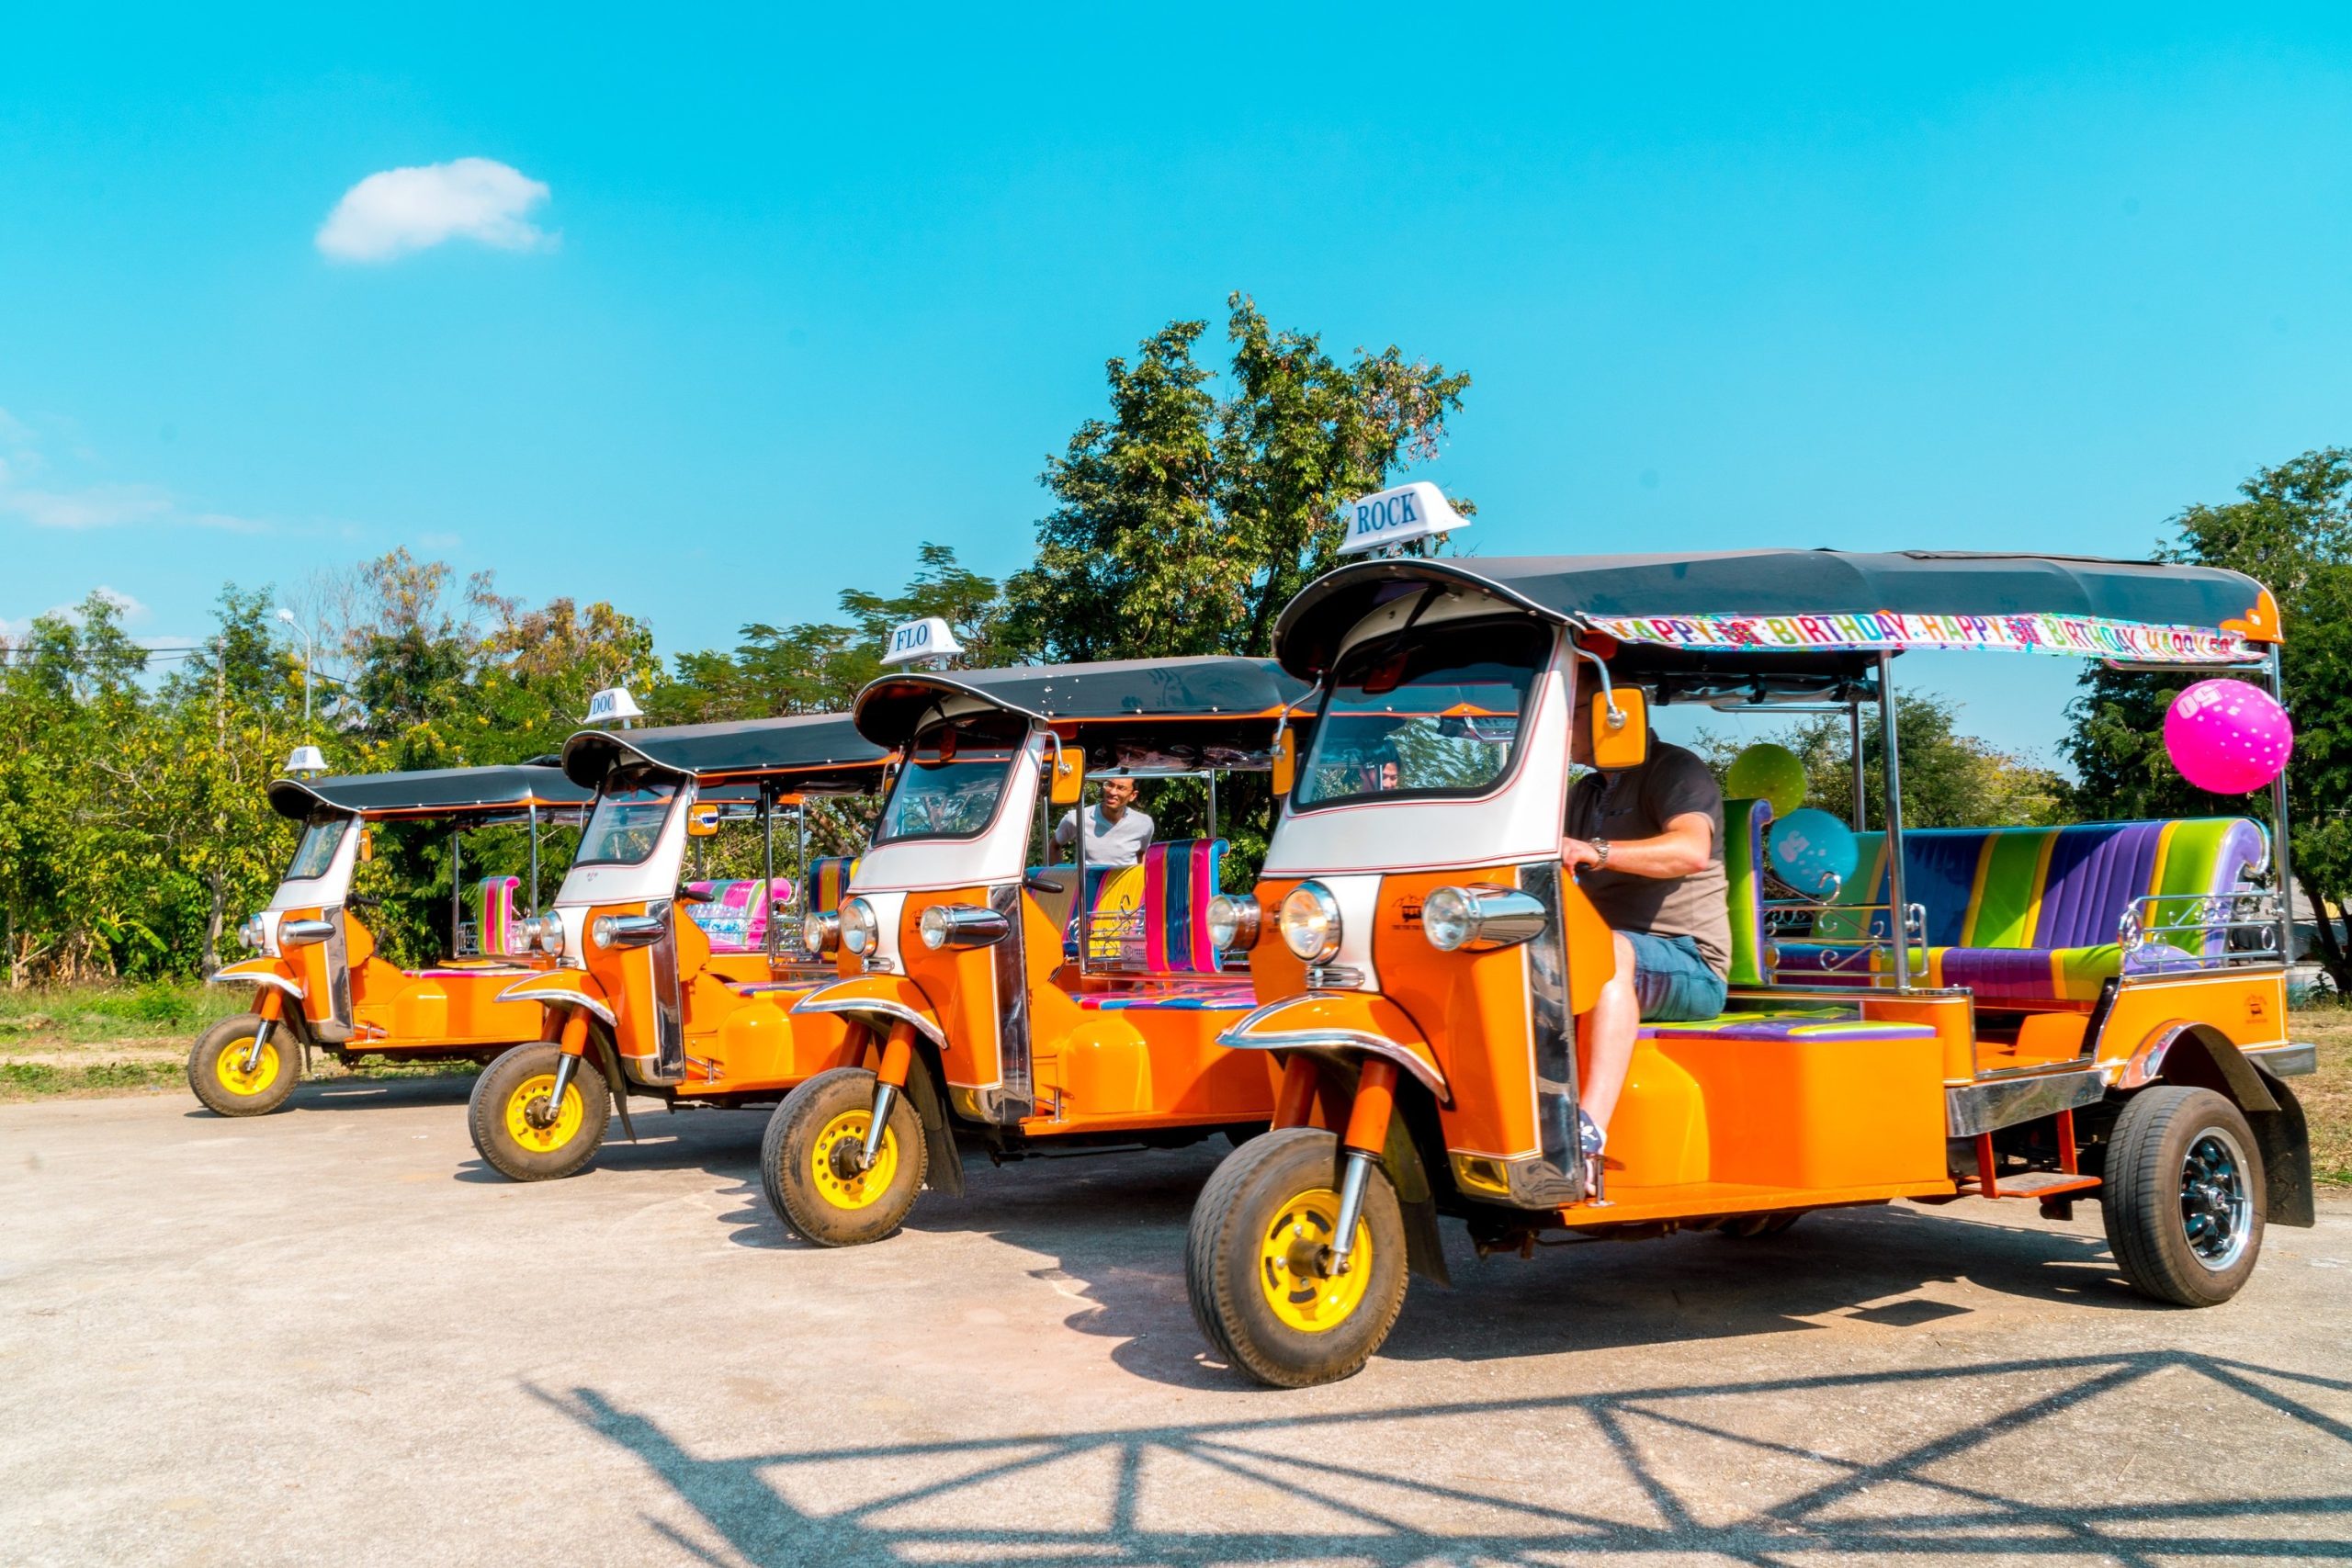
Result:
x=2050 y=1014
x=318 y=981
x=670 y=986
x=1029 y=1009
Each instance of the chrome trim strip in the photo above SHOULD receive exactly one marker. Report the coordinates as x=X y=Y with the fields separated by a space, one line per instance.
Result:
x=880 y=1007
x=669 y=1007
x=1551 y=1031
x=1971 y=1109
x=278 y=981
x=557 y=999
x=2291 y=1060
x=1014 y=1096
x=1334 y=1040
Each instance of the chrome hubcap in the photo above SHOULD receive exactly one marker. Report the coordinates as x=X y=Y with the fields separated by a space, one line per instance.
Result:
x=2216 y=1203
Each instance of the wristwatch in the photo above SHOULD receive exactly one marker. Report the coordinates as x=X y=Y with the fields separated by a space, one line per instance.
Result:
x=1600 y=845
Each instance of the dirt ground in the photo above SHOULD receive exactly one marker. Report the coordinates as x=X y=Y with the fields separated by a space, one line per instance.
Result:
x=330 y=1334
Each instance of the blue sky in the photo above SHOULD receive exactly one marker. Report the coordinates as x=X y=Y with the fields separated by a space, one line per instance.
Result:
x=812 y=288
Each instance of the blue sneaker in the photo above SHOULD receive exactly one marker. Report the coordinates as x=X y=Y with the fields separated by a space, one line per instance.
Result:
x=1591 y=1143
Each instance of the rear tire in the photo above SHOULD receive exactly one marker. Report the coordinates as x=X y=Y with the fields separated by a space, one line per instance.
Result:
x=509 y=1101
x=801 y=1161
x=215 y=1067
x=1249 y=1260
x=2183 y=1197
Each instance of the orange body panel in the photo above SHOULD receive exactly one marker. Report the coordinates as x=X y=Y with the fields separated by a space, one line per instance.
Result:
x=1953 y=1018
x=2251 y=1008
x=1472 y=1008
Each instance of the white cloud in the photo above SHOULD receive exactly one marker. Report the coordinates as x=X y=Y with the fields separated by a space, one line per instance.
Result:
x=399 y=210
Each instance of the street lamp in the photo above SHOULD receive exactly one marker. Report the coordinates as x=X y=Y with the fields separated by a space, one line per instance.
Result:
x=307 y=757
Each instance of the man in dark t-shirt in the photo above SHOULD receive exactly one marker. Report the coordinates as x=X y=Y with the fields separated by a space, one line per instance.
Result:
x=1646 y=846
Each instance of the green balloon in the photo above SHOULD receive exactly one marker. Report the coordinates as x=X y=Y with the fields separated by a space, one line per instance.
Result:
x=1766 y=771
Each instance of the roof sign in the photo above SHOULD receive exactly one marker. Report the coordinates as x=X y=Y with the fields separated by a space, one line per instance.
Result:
x=1397 y=516
x=930 y=637
x=613 y=705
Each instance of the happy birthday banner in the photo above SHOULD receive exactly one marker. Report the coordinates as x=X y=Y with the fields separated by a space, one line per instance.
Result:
x=2075 y=636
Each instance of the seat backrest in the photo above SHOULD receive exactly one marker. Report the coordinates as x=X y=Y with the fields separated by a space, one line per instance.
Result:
x=2052 y=888
x=493 y=911
x=1744 y=825
x=736 y=918
x=1179 y=878
x=827 y=881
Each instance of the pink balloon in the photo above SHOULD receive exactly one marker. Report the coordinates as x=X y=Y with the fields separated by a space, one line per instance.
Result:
x=2227 y=736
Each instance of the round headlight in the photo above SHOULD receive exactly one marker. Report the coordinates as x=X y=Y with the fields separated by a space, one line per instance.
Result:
x=820 y=931
x=1233 y=923
x=933 y=926
x=252 y=934
x=543 y=934
x=1310 y=923
x=1449 y=918
x=861 y=933
x=601 y=932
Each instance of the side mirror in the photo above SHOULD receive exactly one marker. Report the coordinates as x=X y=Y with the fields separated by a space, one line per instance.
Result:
x=1069 y=783
x=1622 y=741
x=367 y=844
x=1286 y=762
x=702 y=821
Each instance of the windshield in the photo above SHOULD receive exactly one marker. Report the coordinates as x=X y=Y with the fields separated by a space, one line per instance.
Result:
x=953 y=779
x=1426 y=714
x=314 y=855
x=626 y=823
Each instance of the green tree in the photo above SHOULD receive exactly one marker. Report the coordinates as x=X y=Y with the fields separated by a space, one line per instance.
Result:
x=1950 y=779
x=2292 y=530
x=1186 y=520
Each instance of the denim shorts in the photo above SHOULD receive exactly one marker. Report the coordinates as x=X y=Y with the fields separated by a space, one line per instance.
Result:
x=1672 y=980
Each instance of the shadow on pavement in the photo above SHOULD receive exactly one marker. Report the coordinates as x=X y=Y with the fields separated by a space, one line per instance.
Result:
x=1889 y=1464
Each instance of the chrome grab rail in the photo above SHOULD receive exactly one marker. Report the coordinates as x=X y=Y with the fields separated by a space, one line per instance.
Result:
x=1799 y=919
x=2211 y=922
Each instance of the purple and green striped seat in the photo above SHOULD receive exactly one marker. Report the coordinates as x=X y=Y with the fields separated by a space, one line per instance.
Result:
x=829 y=881
x=2032 y=914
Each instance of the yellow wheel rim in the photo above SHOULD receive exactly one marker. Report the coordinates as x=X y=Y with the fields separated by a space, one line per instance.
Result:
x=864 y=1189
x=533 y=1091
x=1291 y=1264
x=228 y=1066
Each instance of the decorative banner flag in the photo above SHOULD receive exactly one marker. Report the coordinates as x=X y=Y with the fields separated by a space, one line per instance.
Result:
x=2076 y=636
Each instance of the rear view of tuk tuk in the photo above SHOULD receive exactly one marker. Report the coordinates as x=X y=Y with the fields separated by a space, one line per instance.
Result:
x=2049 y=1014
x=318 y=981
x=1026 y=1008
x=668 y=985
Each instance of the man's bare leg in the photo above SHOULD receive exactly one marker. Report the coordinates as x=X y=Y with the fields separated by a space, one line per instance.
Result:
x=1611 y=1030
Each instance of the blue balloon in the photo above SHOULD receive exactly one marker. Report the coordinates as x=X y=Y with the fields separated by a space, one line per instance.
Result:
x=1813 y=851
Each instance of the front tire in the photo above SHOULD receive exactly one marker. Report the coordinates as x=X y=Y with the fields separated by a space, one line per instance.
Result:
x=2183 y=1197
x=516 y=1131
x=1254 y=1262
x=808 y=1174
x=217 y=1073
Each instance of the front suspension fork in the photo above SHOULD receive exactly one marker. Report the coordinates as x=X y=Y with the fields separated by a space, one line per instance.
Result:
x=573 y=1041
x=1359 y=1146
x=271 y=1007
x=890 y=1082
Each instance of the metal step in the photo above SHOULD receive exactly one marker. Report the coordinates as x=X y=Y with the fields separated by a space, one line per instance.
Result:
x=2041 y=1183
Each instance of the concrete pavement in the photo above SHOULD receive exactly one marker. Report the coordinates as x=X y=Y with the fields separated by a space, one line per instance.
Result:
x=330 y=1334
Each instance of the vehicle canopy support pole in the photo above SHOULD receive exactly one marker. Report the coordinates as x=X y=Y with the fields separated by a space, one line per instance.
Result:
x=1898 y=911
x=535 y=857
x=2278 y=828
x=767 y=846
x=800 y=851
x=456 y=889
x=1861 y=785
x=1211 y=776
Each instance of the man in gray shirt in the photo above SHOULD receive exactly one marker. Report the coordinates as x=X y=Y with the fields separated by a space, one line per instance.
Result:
x=1646 y=846
x=1116 y=833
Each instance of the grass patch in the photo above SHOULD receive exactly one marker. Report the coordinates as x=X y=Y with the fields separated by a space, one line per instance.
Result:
x=29 y=1079
x=77 y=1015
x=2327 y=1093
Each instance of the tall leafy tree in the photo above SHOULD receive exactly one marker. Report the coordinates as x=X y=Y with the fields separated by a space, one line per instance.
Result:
x=1191 y=514
x=2290 y=528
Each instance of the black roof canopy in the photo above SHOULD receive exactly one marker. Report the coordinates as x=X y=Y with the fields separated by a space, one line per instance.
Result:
x=1582 y=590
x=1214 y=687
x=819 y=753
x=428 y=792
